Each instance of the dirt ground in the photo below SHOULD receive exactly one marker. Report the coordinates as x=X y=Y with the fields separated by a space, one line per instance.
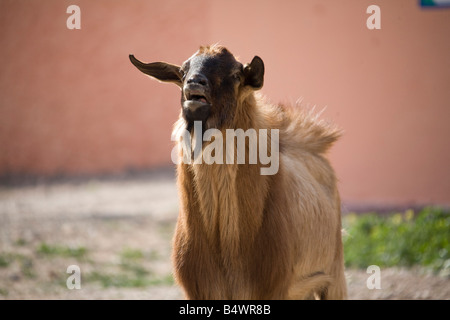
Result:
x=118 y=232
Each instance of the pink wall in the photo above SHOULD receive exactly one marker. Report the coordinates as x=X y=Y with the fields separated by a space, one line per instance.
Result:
x=71 y=102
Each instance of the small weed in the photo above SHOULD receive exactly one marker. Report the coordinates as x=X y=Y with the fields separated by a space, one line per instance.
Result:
x=121 y=280
x=26 y=263
x=134 y=268
x=126 y=279
x=63 y=251
x=4 y=292
x=26 y=266
x=135 y=255
x=166 y=280
x=130 y=272
x=131 y=254
x=21 y=242
x=5 y=259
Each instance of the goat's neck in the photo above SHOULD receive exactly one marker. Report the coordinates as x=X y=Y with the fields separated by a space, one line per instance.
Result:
x=246 y=114
x=231 y=197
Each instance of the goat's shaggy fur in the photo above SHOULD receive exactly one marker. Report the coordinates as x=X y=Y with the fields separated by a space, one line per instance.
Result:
x=243 y=235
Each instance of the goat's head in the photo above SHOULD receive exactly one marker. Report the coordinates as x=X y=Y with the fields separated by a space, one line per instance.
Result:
x=212 y=82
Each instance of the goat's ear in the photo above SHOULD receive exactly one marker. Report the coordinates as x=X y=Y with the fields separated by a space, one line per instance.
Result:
x=254 y=73
x=159 y=70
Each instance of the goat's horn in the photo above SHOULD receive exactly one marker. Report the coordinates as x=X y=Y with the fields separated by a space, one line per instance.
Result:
x=140 y=65
x=161 y=71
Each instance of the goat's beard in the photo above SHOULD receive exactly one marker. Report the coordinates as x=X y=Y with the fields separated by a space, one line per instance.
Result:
x=210 y=123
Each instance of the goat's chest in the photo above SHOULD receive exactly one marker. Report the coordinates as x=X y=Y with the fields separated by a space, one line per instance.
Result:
x=231 y=202
x=218 y=200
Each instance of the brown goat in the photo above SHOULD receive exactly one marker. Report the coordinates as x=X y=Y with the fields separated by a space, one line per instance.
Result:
x=241 y=234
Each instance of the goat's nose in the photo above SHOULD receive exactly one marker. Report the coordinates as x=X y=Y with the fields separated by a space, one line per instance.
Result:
x=198 y=79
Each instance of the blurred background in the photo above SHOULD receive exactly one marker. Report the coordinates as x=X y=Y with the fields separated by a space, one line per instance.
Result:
x=74 y=112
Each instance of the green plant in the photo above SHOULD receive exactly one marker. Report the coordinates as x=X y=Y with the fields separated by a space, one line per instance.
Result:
x=5 y=259
x=131 y=271
x=63 y=251
x=131 y=254
x=402 y=239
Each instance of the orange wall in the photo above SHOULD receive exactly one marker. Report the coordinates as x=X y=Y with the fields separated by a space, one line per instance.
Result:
x=72 y=103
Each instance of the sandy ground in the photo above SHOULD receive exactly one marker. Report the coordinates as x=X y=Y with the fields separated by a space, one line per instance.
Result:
x=118 y=232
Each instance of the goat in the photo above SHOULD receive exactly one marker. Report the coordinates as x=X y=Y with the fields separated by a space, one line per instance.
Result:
x=241 y=234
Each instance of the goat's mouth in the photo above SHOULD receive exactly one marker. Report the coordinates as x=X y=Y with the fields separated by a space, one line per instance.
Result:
x=196 y=106
x=196 y=97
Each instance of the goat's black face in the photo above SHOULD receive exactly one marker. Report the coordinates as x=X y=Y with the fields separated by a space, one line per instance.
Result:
x=211 y=82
